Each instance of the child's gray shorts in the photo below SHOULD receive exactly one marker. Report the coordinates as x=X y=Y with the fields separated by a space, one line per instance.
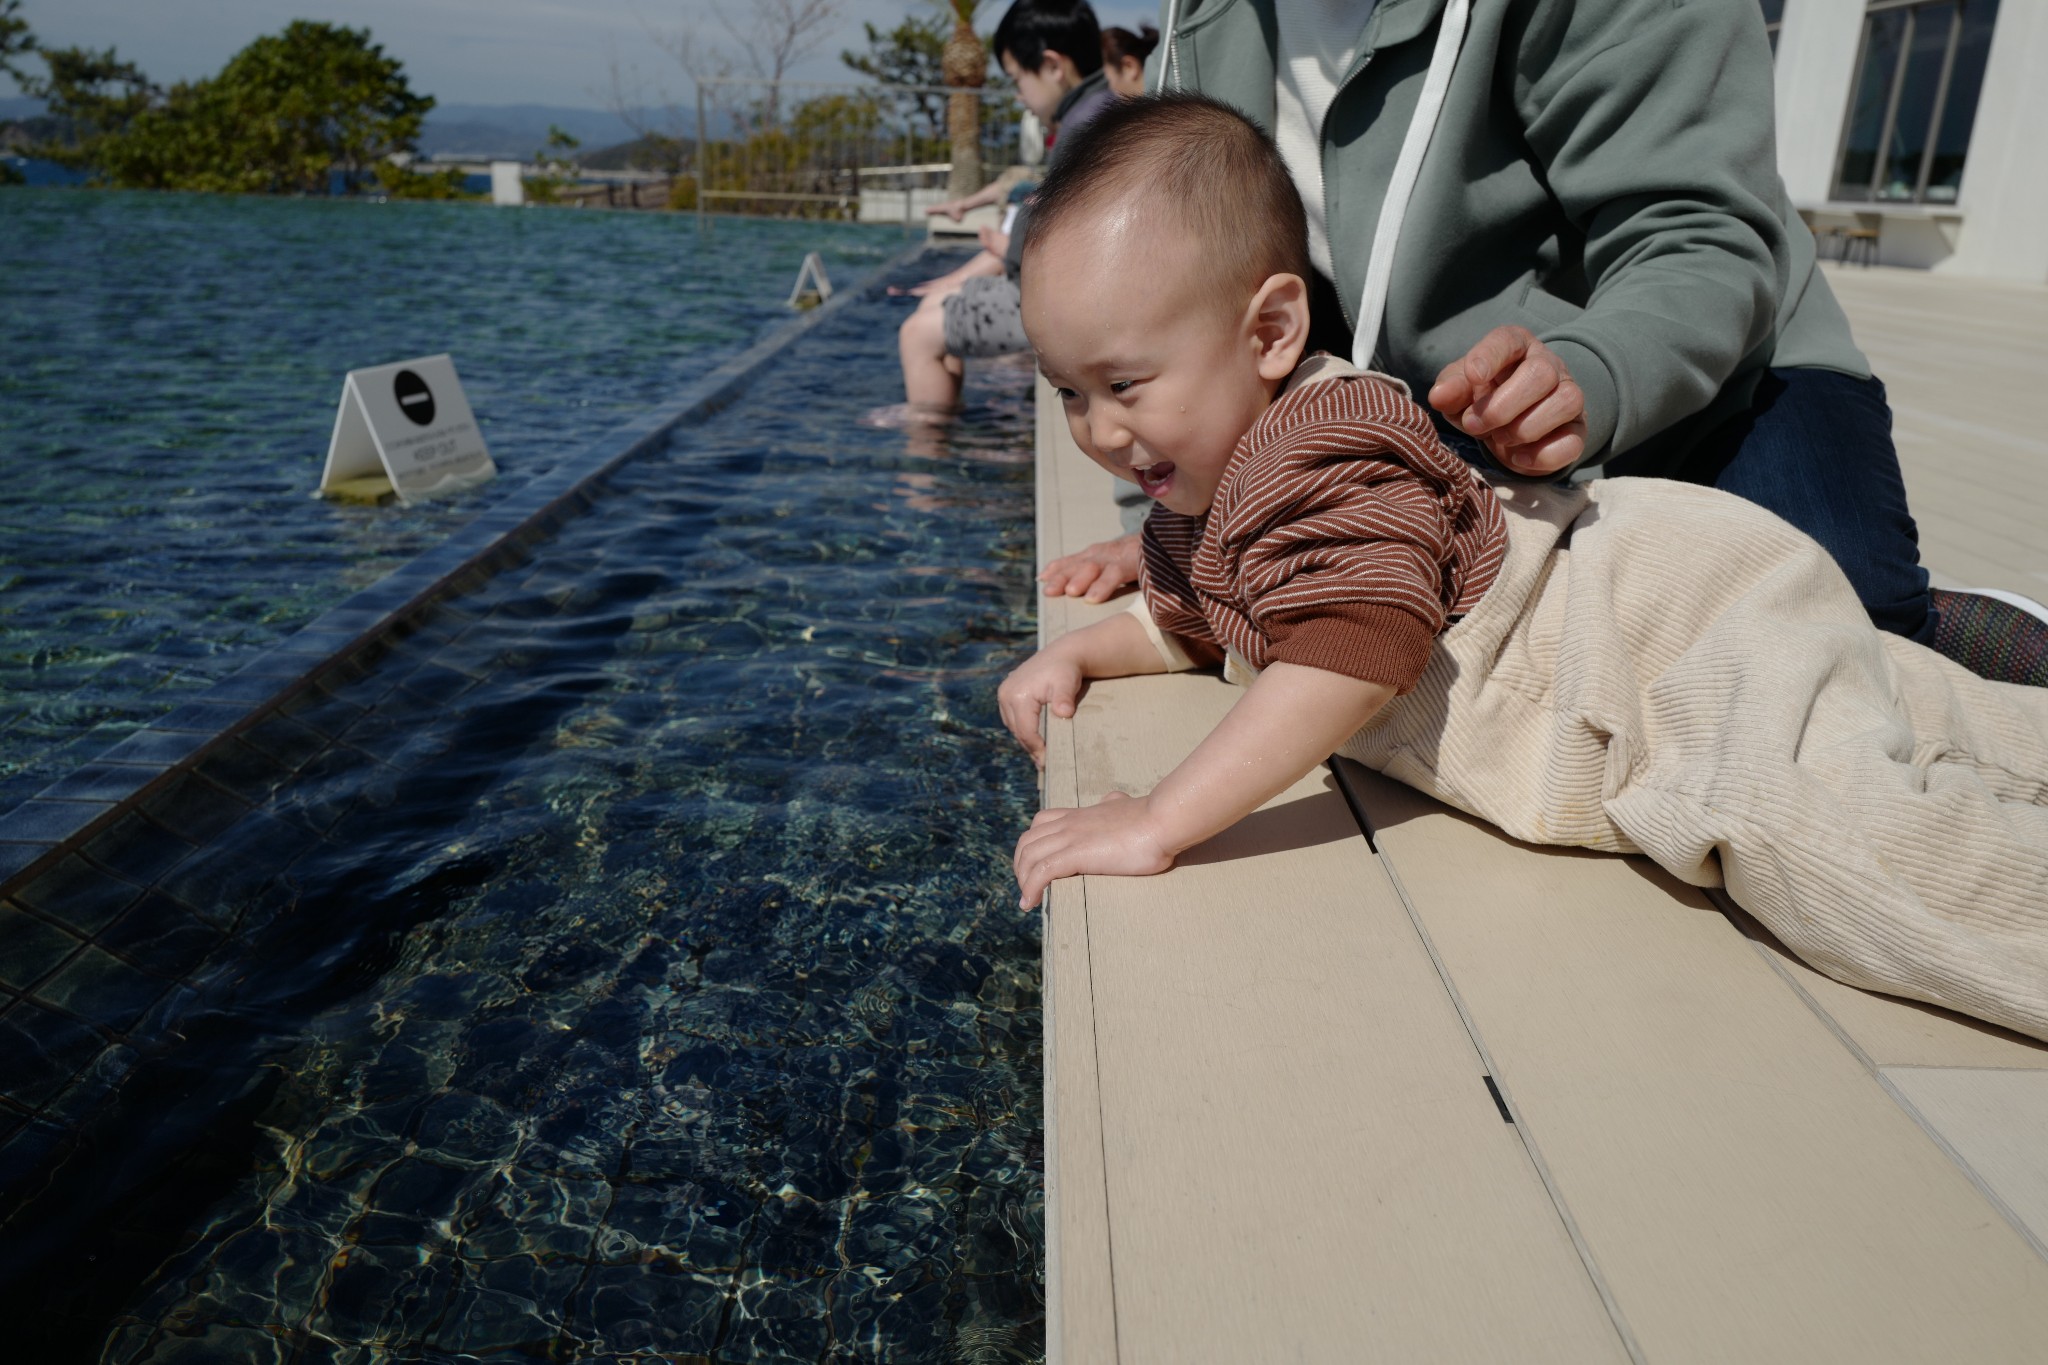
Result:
x=985 y=318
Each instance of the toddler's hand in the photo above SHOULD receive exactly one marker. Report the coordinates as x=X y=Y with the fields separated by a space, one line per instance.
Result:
x=1097 y=572
x=1114 y=838
x=1044 y=679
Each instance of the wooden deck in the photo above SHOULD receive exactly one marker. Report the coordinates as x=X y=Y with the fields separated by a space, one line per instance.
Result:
x=1444 y=1097
x=1966 y=362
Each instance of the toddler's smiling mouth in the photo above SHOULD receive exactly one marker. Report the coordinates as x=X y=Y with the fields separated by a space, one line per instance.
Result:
x=1155 y=479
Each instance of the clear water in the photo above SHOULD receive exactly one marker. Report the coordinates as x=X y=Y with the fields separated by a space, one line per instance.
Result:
x=169 y=369
x=622 y=968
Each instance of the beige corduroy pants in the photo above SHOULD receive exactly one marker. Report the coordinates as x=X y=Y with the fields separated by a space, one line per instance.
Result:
x=1669 y=670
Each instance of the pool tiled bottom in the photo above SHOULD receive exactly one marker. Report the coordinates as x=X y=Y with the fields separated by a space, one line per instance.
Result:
x=620 y=966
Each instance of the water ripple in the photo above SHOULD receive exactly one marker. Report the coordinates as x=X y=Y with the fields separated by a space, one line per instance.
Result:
x=172 y=364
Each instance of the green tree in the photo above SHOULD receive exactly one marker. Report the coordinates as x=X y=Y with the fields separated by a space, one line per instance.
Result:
x=561 y=148
x=556 y=162
x=315 y=97
x=16 y=41
x=92 y=97
x=403 y=182
x=912 y=53
x=283 y=115
x=834 y=121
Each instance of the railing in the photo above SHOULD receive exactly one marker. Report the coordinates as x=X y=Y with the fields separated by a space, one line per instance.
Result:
x=879 y=153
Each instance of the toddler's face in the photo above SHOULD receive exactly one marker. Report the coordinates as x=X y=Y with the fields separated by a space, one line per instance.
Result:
x=1158 y=375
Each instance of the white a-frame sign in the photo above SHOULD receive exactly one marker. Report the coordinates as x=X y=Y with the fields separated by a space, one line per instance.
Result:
x=813 y=270
x=411 y=424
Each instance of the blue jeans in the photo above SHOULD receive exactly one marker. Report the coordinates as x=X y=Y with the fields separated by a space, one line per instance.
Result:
x=1816 y=448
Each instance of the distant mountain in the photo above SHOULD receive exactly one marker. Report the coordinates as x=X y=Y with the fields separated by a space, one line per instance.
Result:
x=516 y=130
x=641 y=154
x=482 y=130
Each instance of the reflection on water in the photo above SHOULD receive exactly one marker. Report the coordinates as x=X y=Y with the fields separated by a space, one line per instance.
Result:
x=623 y=968
x=172 y=365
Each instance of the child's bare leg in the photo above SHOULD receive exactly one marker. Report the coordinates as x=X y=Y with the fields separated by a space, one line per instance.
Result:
x=931 y=378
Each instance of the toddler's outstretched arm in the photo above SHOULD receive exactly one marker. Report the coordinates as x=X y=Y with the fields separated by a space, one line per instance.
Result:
x=1292 y=718
x=1114 y=647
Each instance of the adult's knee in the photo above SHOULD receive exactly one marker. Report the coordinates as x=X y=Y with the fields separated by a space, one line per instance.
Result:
x=1817 y=450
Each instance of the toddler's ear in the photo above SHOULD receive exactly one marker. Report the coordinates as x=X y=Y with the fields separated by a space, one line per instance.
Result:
x=1278 y=323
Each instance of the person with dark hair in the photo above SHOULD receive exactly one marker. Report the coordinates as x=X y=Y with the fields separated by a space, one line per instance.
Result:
x=1052 y=50
x=1635 y=665
x=1597 y=262
x=1123 y=59
x=1045 y=34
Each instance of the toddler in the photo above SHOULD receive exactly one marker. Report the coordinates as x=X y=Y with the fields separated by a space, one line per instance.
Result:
x=1634 y=665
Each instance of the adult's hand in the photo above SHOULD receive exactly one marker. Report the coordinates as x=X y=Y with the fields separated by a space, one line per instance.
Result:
x=1515 y=394
x=1095 y=573
x=994 y=241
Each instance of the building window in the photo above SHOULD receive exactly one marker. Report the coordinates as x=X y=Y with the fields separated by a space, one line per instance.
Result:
x=1774 y=19
x=1917 y=79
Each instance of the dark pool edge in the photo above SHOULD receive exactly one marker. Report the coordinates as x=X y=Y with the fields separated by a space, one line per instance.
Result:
x=67 y=814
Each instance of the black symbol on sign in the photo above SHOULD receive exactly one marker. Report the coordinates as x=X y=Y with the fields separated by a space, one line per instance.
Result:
x=415 y=399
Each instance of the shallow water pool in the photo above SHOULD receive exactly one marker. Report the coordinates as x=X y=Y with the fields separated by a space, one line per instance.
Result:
x=623 y=967
x=172 y=367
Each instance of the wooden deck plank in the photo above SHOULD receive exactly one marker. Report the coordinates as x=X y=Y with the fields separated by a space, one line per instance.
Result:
x=1962 y=497
x=1746 y=1187
x=1287 y=1087
x=1269 y=1134
x=1997 y=1120
x=1893 y=1032
x=1977 y=473
x=1963 y=360
x=1970 y=558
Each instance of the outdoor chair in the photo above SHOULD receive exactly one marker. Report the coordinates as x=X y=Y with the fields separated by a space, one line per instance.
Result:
x=1858 y=244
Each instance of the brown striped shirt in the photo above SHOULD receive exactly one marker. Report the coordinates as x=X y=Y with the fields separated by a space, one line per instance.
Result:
x=1343 y=535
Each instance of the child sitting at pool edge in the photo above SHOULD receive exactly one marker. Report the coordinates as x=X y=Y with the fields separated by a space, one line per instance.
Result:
x=1695 y=681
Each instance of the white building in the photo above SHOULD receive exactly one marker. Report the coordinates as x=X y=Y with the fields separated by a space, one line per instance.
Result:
x=1924 y=120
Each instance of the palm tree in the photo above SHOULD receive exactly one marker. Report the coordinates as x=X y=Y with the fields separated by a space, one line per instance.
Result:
x=965 y=64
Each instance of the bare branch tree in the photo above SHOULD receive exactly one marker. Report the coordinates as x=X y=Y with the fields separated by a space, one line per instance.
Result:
x=647 y=108
x=700 y=60
x=778 y=34
x=764 y=39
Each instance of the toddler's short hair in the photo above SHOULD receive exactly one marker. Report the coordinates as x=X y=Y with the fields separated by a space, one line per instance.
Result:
x=1198 y=162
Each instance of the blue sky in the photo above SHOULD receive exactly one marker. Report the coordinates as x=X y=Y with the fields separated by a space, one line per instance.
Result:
x=459 y=51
